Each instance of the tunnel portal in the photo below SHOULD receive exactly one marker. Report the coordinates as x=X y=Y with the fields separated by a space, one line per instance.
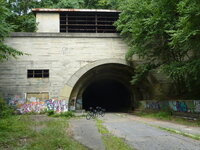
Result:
x=109 y=87
x=109 y=94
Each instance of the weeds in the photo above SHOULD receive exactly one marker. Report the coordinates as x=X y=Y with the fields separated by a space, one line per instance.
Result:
x=36 y=133
x=67 y=114
x=5 y=110
x=196 y=137
x=167 y=115
x=111 y=142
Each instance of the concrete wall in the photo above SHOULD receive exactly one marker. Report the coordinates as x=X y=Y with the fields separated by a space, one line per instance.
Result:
x=48 y=22
x=63 y=54
x=181 y=106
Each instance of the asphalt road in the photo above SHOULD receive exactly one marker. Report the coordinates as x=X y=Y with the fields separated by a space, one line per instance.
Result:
x=142 y=136
x=85 y=132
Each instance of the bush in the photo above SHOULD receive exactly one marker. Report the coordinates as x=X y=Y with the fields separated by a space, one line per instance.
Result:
x=67 y=114
x=50 y=112
x=5 y=110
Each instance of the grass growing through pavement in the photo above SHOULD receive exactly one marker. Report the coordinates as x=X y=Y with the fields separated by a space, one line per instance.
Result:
x=111 y=142
x=196 y=137
x=24 y=132
x=162 y=115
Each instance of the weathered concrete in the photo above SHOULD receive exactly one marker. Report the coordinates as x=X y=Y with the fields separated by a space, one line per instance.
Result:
x=45 y=24
x=63 y=54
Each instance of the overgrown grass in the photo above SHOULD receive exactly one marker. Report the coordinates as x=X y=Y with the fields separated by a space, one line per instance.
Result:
x=14 y=131
x=111 y=142
x=164 y=115
x=68 y=114
x=26 y=133
x=196 y=137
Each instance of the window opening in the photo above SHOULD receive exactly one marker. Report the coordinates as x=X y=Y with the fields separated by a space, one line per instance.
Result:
x=88 y=22
x=38 y=73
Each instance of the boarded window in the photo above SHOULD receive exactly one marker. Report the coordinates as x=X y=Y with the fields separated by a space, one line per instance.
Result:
x=92 y=22
x=34 y=97
x=38 y=73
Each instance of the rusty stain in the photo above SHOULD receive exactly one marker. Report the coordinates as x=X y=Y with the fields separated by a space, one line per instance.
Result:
x=75 y=10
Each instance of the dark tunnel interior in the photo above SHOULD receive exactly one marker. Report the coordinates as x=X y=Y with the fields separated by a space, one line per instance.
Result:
x=108 y=94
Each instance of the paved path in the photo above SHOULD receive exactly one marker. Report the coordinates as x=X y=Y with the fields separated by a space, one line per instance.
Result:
x=86 y=132
x=164 y=124
x=141 y=136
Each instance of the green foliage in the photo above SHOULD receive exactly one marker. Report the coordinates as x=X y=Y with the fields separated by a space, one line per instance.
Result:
x=5 y=110
x=141 y=72
x=50 y=112
x=111 y=142
x=21 y=16
x=13 y=131
x=5 y=29
x=67 y=114
x=69 y=4
x=36 y=132
x=165 y=33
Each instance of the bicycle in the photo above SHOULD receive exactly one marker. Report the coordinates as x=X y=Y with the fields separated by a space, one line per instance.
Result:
x=100 y=111
x=92 y=113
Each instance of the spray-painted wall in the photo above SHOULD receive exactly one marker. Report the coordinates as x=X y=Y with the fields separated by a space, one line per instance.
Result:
x=186 y=106
x=37 y=105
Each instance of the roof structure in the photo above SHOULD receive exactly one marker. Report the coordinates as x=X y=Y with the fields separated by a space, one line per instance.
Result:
x=72 y=10
x=84 y=20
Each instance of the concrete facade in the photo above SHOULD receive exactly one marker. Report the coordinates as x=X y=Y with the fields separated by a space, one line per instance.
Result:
x=48 y=22
x=67 y=56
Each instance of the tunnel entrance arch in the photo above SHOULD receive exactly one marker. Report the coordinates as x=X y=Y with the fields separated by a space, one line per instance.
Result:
x=106 y=85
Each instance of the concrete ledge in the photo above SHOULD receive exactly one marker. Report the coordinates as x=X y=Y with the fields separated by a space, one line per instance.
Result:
x=65 y=35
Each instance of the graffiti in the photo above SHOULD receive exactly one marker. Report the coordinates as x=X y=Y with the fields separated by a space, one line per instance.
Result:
x=179 y=106
x=186 y=106
x=152 y=105
x=197 y=106
x=32 y=107
x=36 y=105
x=72 y=104
x=79 y=104
x=15 y=101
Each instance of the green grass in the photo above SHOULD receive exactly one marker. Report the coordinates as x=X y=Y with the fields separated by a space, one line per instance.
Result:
x=167 y=116
x=196 y=137
x=26 y=133
x=111 y=142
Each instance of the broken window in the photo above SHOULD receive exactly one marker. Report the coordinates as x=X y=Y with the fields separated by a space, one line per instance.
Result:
x=92 y=22
x=38 y=73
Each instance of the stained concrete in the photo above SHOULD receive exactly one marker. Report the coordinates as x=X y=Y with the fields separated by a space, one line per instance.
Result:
x=64 y=54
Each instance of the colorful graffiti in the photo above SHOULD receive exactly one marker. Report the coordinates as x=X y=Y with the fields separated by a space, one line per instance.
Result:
x=36 y=105
x=152 y=105
x=179 y=106
x=188 y=106
x=197 y=106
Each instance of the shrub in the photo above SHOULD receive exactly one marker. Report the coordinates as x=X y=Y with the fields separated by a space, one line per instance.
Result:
x=67 y=114
x=5 y=110
x=50 y=112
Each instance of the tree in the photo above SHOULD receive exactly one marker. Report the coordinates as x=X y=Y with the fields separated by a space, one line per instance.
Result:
x=21 y=16
x=69 y=4
x=165 y=33
x=5 y=29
